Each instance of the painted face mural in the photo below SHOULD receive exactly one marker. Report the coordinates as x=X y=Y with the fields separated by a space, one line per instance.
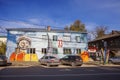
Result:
x=24 y=43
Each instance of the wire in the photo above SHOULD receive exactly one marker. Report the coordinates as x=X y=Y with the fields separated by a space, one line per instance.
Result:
x=41 y=26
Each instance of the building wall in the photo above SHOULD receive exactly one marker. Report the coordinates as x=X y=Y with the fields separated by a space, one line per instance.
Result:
x=27 y=46
x=3 y=39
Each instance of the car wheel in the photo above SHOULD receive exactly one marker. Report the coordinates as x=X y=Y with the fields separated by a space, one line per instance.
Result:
x=80 y=65
x=73 y=64
x=40 y=62
x=110 y=62
x=61 y=62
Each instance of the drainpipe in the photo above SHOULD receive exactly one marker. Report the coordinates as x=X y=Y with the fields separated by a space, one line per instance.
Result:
x=49 y=46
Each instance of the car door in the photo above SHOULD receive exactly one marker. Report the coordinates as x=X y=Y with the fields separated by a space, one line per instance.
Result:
x=42 y=60
x=64 y=59
x=117 y=59
x=46 y=59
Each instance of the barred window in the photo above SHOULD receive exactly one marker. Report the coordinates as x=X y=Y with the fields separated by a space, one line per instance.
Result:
x=44 y=50
x=44 y=37
x=55 y=37
x=78 y=39
x=31 y=50
x=67 y=51
x=66 y=38
x=78 y=51
x=55 y=51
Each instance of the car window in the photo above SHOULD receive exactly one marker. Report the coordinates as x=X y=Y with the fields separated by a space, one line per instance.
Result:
x=51 y=57
x=46 y=57
x=77 y=57
x=3 y=57
x=74 y=57
x=66 y=57
x=43 y=57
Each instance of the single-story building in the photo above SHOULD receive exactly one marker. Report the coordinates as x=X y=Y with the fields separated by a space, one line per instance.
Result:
x=110 y=42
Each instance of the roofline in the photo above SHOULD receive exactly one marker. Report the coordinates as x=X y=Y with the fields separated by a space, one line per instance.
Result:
x=104 y=37
x=2 y=36
x=42 y=30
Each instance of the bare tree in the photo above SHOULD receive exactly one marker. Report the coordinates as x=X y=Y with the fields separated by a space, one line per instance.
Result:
x=98 y=32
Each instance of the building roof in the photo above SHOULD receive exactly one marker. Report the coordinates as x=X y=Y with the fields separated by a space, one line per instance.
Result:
x=111 y=35
x=41 y=30
x=2 y=36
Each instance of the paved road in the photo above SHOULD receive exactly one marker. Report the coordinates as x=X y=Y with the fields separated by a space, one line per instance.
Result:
x=40 y=73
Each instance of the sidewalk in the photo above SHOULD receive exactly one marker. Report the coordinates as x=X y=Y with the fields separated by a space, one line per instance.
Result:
x=88 y=64
x=100 y=64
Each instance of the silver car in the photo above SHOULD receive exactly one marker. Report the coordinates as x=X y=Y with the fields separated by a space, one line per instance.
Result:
x=49 y=60
x=114 y=60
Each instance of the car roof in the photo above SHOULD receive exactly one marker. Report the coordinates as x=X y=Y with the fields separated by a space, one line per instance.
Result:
x=72 y=55
x=2 y=56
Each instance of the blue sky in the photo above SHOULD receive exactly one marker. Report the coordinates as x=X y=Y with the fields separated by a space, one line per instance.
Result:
x=60 y=13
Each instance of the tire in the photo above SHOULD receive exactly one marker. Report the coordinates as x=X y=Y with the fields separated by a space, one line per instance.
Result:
x=110 y=62
x=61 y=62
x=80 y=65
x=40 y=62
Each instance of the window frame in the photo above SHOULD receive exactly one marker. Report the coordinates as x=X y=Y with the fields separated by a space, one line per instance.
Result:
x=55 y=38
x=55 y=51
x=67 y=51
x=65 y=38
x=31 y=50
x=44 y=37
x=44 y=50
x=78 y=51
x=78 y=39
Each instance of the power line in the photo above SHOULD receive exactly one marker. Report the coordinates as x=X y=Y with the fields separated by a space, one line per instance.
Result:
x=32 y=24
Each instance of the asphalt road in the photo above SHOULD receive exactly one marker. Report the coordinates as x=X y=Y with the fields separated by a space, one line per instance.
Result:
x=41 y=73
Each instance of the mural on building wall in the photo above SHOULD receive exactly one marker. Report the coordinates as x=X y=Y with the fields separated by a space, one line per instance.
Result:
x=31 y=46
x=21 y=52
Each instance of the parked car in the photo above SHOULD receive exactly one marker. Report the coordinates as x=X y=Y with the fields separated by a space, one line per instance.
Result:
x=3 y=60
x=72 y=60
x=115 y=60
x=49 y=61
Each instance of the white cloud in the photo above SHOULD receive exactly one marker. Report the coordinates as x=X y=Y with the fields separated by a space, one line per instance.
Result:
x=16 y=24
x=31 y=23
x=46 y=22
x=34 y=20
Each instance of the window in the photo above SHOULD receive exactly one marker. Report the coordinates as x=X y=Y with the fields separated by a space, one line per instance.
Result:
x=55 y=38
x=44 y=50
x=67 y=51
x=66 y=38
x=55 y=51
x=77 y=38
x=31 y=50
x=78 y=51
x=44 y=37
